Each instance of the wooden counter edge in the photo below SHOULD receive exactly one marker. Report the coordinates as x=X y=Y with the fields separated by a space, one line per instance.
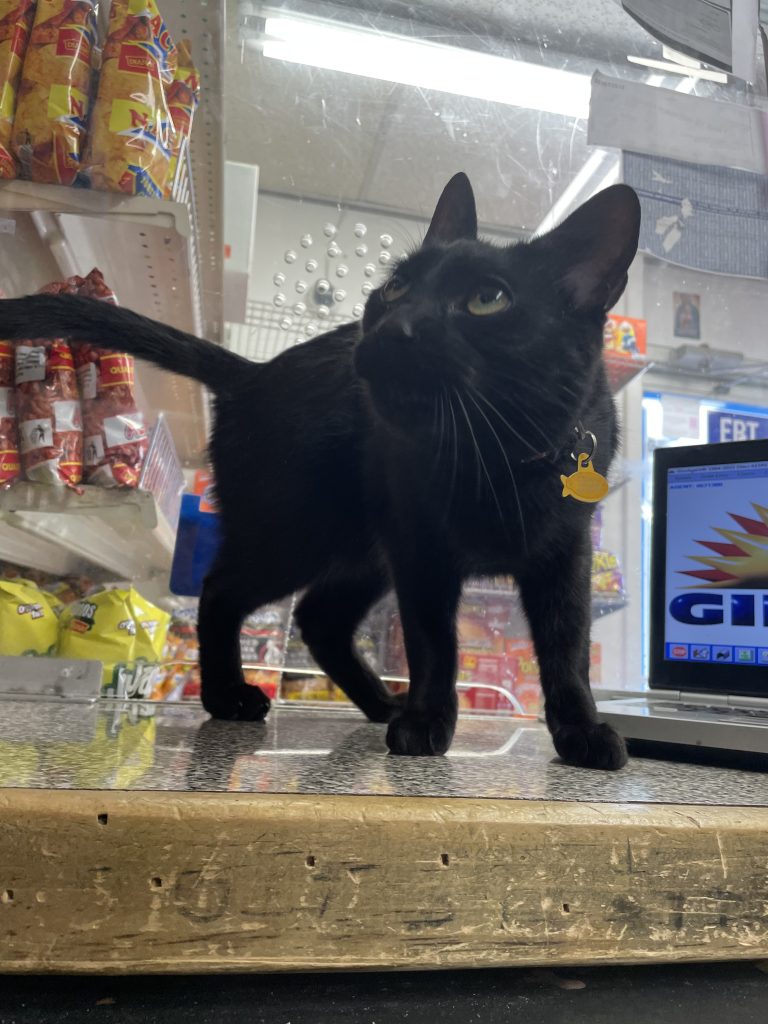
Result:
x=124 y=882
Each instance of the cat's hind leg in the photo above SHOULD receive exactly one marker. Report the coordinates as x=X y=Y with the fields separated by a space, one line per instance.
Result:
x=230 y=593
x=328 y=615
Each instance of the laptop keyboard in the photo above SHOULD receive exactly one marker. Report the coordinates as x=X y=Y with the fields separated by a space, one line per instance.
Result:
x=724 y=710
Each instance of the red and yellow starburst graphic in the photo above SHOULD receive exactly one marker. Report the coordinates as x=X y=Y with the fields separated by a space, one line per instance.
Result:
x=741 y=557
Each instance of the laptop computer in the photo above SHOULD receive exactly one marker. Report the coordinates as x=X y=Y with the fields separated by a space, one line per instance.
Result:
x=708 y=678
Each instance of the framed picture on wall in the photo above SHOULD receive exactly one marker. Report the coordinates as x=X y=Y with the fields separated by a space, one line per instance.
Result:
x=687 y=315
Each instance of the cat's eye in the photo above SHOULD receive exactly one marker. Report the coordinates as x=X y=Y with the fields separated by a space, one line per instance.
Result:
x=394 y=288
x=488 y=299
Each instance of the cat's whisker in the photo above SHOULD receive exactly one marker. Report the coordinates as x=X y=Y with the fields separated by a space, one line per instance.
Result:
x=506 y=422
x=509 y=467
x=480 y=456
x=455 y=459
x=442 y=435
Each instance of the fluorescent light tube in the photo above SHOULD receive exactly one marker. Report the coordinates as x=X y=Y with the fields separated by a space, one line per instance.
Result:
x=425 y=65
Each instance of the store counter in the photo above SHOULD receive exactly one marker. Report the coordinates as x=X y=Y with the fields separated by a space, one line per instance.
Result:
x=141 y=837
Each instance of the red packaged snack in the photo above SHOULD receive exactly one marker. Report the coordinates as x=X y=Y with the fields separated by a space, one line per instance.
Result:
x=9 y=438
x=115 y=437
x=48 y=407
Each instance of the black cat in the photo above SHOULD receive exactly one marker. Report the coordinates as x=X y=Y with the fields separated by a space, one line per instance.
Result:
x=418 y=448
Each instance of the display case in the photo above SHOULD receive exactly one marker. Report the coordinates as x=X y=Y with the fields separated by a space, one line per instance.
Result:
x=324 y=135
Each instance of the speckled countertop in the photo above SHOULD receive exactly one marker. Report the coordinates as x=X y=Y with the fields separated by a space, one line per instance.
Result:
x=119 y=746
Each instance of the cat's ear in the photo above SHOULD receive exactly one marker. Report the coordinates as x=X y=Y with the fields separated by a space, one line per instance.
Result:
x=455 y=215
x=596 y=245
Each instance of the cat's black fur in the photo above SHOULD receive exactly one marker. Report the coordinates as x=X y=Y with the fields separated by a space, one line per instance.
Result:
x=417 y=449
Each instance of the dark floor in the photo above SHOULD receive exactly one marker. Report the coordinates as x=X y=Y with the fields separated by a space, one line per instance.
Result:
x=687 y=994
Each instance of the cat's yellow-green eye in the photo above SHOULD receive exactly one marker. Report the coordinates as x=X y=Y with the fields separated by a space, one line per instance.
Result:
x=395 y=288
x=487 y=300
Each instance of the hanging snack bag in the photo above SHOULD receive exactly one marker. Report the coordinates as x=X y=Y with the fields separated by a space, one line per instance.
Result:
x=114 y=435
x=131 y=128
x=48 y=406
x=15 y=24
x=121 y=629
x=52 y=110
x=183 y=98
x=10 y=466
x=28 y=622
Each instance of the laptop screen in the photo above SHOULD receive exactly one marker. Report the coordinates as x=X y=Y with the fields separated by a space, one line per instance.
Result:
x=710 y=568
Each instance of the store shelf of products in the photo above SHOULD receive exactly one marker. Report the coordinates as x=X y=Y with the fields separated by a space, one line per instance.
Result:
x=128 y=533
x=602 y=604
x=147 y=251
x=162 y=258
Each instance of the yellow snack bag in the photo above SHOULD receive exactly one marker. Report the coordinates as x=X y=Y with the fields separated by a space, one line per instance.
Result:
x=28 y=623
x=15 y=24
x=52 y=109
x=131 y=128
x=121 y=629
x=183 y=98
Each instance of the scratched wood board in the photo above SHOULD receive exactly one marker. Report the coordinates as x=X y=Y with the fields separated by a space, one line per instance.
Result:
x=162 y=882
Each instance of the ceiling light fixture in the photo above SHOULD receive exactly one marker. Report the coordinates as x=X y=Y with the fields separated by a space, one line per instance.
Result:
x=425 y=65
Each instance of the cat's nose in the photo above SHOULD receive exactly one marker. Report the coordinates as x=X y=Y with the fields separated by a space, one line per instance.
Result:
x=398 y=322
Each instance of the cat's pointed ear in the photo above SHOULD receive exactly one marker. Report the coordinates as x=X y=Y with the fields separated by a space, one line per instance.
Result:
x=455 y=215
x=596 y=245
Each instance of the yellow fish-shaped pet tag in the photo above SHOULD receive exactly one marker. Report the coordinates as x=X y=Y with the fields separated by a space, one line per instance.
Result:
x=586 y=484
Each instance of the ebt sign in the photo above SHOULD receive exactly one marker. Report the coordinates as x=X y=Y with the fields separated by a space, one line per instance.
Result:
x=736 y=426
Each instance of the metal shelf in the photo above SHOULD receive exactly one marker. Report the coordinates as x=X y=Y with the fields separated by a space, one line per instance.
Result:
x=60 y=531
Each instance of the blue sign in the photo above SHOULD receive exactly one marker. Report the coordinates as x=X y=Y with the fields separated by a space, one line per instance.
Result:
x=736 y=426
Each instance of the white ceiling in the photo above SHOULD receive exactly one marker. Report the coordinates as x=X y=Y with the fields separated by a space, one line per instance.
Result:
x=363 y=142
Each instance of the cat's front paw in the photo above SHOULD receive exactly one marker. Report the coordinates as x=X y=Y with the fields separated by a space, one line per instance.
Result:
x=420 y=734
x=240 y=703
x=590 y=746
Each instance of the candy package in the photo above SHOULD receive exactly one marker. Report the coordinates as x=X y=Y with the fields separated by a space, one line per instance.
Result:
x=10 y=466
x=121 y=629
x=15 y=24
x=114 y=435
x=52 y=109
x=131 y=129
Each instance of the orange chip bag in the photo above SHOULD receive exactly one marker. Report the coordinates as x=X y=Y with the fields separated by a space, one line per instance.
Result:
x=48 y=405
x=114 y=435
x=52 y=111
x=183 y=97
x=15 y=24
x=131 y=127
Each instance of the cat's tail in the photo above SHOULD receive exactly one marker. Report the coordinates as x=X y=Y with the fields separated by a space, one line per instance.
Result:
x=120 y=329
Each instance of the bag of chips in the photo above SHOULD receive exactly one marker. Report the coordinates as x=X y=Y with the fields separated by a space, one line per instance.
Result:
x=114 y=435
x=52 y=110
x=183 y=98
x=15 y=24
x=10 y=466
x=131 y=128
x=121 y=629
x=28 y=621
x=48 y=406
